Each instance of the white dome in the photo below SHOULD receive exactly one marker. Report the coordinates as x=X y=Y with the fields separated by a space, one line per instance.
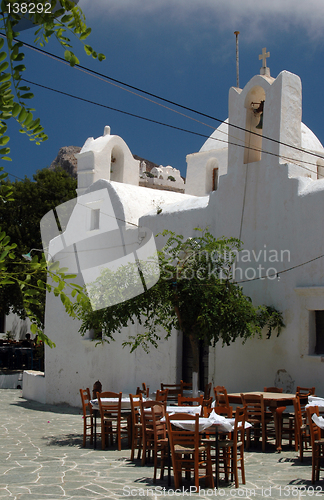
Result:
x=309 y=140
x=218 y=139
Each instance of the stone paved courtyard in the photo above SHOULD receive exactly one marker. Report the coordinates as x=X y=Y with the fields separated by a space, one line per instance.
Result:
x=42 y=459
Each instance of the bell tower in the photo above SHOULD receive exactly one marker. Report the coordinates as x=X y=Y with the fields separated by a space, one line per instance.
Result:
x=265 y=118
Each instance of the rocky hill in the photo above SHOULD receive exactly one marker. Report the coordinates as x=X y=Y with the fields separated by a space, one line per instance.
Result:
x=66 y=160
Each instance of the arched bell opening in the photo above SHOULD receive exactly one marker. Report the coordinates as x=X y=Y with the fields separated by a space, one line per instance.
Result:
x=117 y=165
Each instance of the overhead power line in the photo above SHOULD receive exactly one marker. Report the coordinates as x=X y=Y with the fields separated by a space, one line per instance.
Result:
x=110 y=79
x=181 y=129
x=113 y=80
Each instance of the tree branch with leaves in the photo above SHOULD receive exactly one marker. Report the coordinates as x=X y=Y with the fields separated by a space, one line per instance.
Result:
x=60 y=20
x=195 y=293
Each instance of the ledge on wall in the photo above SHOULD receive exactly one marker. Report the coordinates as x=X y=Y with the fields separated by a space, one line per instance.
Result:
x=34 y=386
x=310 y=291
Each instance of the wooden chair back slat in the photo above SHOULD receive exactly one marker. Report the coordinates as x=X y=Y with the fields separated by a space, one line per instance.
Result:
x=279 y=390
x=221 y=396
x=174 y=391
x=162 y=395
x=188 y=401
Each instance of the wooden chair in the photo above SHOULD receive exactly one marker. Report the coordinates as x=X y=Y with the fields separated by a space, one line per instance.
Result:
x=233 y=448
x=145 y=391
x=148 y=427
x=162 y=395
x=87 y=415
x=255 y=415
x=302 y=393
x=161 y=442
x=184 y=401
x=220 y=410
x=316 y=441
x=207 y=390
x=225 y=411
x=174 y=391
x=284 y=422
x=305 y=391
x=273 y=389
x=185 y=386
x=112 y=421
x=137 y=430
x=301 y=430
x=221 y=396
x=97 y=387
x=207 y=403
x=187 y=452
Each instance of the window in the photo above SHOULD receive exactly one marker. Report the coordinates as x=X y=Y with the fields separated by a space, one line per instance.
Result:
x=215 y=179
x=319 y=329
x=95 y=217
x=211 y=175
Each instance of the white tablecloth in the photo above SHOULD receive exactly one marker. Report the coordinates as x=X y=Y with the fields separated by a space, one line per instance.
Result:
x=222 y=424
x=204 y=423
x=315 y=401
x=125 y=402
x=318 y=421
x=192 y=410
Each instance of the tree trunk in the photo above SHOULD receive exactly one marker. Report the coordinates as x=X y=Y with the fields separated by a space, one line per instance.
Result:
x=195 y=363
x=194 y=342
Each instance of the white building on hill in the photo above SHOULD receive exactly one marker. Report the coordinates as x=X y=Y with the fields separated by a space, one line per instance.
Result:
x=267 y=190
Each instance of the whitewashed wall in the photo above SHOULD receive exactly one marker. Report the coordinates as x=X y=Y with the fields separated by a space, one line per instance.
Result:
x=282 y=213
x=272 y=206
x=77 y=362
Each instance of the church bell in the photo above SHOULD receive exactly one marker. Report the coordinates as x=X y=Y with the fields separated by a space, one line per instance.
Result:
x=257 y=111
x=260 y=124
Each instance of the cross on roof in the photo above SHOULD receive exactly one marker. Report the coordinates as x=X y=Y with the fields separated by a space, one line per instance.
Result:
x=264 y=56
x=264 y=70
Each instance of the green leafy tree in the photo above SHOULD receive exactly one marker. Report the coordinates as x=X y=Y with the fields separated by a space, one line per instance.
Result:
x=195 y=293
x=21 y=221
x=29 y=280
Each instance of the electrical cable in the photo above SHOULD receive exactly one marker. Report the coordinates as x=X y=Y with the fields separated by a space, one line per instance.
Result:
x=280 y=272
x=95 y=73
x=292 y=160
x=119 y=82
x=87 y=70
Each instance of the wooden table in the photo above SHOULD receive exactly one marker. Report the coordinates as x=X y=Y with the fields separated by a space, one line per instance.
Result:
x=273 y=400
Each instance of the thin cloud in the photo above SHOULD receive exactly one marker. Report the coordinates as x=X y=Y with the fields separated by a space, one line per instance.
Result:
x=256 y=16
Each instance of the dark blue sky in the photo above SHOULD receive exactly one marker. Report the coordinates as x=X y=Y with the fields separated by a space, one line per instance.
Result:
x=183 y=51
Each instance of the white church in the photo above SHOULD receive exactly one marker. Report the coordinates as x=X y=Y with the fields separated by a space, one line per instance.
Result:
x=259 y=178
